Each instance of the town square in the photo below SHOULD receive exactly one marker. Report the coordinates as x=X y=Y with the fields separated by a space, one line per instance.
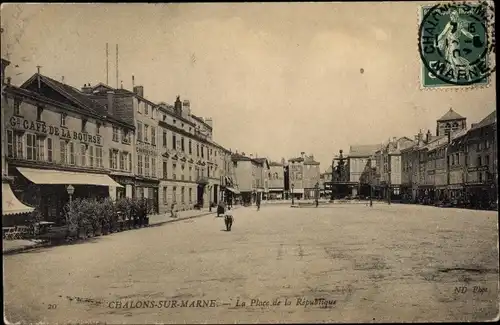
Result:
x=249 y=163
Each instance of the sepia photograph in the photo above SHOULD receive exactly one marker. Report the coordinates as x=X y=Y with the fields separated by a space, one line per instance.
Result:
x=222 y=163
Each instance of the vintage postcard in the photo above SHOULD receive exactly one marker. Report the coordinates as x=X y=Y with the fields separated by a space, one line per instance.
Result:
x=249 y=163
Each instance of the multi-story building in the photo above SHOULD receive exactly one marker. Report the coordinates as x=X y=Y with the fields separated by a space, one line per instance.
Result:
x=58 y=136
x=248 y=175
x=276 y=180
x=11 y=205
x=360 y=161
x=311 y=177
x=481 y=161
x=296 y=175
x=325 y=181
x=389 y=167
x=141 y=147
x=263 y=176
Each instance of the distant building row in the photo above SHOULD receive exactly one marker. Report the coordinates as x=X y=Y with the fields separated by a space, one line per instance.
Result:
x=455 y=163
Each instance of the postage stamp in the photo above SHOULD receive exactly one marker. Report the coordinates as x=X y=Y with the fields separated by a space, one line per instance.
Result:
x=456 y=43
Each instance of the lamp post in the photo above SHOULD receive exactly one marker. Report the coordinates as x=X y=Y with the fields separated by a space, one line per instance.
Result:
x=292 y=194
x=331 y=183
x=71 y=191
x=317 y=194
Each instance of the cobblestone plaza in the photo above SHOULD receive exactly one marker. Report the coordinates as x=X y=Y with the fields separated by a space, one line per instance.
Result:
x=342 y=263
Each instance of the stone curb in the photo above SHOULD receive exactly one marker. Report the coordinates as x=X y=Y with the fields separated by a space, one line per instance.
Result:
x=26 y=248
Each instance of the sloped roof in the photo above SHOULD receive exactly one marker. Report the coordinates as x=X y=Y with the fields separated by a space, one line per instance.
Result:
x=273 y=163
x=451 y=115
x=71 y=93
x=297 y=159
x=490 y=119
x=363 y=150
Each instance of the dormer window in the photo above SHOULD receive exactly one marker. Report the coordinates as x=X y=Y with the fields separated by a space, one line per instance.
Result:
x=17 y=107
x=39 y=110
x=63 y=120
x=146 y=109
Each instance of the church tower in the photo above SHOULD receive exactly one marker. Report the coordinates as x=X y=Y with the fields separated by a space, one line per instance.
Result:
x=450 y=122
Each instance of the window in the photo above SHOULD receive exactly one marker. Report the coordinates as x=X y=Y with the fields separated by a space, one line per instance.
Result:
x=153 y=136
x=480 y=174
x=487 y=161
x=164 y=117
x=182 y=144
x=164 y=139
x=174 y=194
x=190 y=148
x=174 y=121
x=202 y=149
x=208 y=171
x=486 y=144
x=122 y=161
x=190 y=173
x=125 y=163
x=98 y=128
x=39 y=111
x=63 y=120
x=49 y=150
x=146 y=109
x=91 y=156
x=182 y=194
x=197 y=150
x=174 y=169
x=165 y=171
x=10 y=144
x=84 y=126
x=115 y=134
x=165 y=195
x=40 y=148
x=139 y=131
x=146 y=131
x=84 y=154
x=190 y=194
x=19 y=146
x=174 y=142
x=139 y=103
x=30 y=146
x=182 y=171
x=153 y=166
x=98 y=160
x=146 y=165
x=139 y=164
x=17 y=107
x=479 y=162
x=63 y=151
x=72 y=153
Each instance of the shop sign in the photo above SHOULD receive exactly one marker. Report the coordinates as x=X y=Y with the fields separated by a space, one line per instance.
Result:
x=41 y=127
x=145 y=149
x=478 y=169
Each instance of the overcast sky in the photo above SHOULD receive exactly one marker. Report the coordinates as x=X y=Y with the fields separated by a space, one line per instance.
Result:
x=276 y=78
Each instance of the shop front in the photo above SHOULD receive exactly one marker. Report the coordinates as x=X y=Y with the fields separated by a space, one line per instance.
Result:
x=127 y=181
x=146 y=189
x=46 y=189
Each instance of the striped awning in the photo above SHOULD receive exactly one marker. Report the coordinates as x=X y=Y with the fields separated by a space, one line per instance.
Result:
x=50 y=176
x=10 y=203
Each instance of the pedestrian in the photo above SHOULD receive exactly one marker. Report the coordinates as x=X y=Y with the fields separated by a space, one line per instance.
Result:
x=258 y=202
x=228 y=219
x=221 y=208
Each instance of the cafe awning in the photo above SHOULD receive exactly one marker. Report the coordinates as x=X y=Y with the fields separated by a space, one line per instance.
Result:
x=235 y=191
x=50 y=176
x=10 y=203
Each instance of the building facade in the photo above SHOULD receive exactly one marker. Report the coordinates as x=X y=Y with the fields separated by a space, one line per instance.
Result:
x=57 y=136
x=360 y=161
x=296 y=175
x=311 y=177
x=276 y=180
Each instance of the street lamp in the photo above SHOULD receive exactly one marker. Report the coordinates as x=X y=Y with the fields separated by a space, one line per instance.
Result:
x=292 y=193
x=317 y=193
x=331 y=183
x=71 y=191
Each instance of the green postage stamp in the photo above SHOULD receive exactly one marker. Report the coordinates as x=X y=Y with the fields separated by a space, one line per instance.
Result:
x=456 y=42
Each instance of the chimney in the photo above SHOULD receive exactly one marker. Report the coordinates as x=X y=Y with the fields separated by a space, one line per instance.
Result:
x=428 y=136
x=186 y=107
x=86 y=89
x=302 y=154
x=178 y=106
x=111 y=99
x=133 y=82
x=393 y=139
x=139 y=90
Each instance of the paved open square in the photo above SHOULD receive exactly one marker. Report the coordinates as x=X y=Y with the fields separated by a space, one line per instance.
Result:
x=343 y=263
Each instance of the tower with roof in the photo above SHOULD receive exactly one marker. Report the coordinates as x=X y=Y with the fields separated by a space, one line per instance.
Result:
x=450 y=122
